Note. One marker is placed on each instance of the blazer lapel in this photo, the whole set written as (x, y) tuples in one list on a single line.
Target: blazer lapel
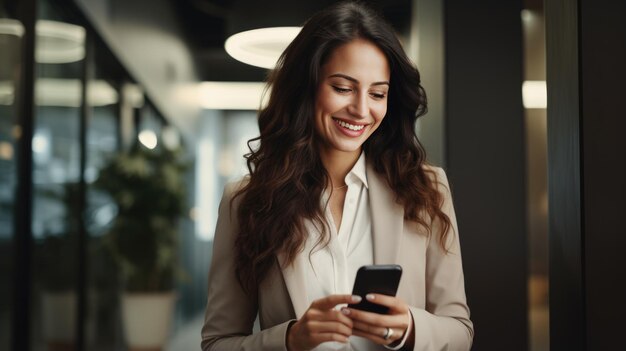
[(387, 228), (294, 277), (387, 218)]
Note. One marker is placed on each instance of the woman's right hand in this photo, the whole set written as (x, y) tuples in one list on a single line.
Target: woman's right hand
[(321, 323)]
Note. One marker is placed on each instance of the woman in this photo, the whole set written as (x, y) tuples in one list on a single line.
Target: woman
[(339, 180)]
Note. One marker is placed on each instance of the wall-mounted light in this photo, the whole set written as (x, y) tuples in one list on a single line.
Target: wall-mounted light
[(206, 184), (534, 94), (260, 47)]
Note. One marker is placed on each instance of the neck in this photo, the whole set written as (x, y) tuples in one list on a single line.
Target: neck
[(338, 164)]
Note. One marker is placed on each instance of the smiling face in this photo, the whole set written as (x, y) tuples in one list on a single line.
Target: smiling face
[(351, 99)]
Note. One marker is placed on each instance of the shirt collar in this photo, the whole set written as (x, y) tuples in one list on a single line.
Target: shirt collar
[(357, 174)]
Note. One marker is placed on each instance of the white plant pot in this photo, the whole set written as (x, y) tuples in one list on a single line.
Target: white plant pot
[(58, 315), (58, 318), (147, 318)]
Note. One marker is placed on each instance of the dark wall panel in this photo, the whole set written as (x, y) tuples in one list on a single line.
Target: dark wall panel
[(485, 158), (564, 177), (586, 51), (603, 73)]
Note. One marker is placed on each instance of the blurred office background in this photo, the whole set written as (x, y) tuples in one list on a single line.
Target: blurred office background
[(96, 92)]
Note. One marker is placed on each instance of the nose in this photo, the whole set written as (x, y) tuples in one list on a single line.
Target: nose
[(359, 106)]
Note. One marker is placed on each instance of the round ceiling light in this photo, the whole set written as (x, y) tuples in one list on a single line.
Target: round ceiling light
[(59, 42), (10, 26), (260, 47)]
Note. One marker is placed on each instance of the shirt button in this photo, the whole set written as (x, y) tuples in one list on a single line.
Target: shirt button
[(352, 200)]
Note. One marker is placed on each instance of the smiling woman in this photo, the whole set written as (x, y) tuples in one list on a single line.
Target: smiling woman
[(339, 180), (351, 98)]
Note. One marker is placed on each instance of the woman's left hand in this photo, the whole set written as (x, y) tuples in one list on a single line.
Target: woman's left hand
[(373, 326)]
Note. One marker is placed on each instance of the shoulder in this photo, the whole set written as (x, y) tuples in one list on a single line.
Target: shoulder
[(436, 174), (439, 178), (230, 199), (233, 187)]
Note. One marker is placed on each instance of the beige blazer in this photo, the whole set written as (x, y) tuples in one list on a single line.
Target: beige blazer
[(432, 281)]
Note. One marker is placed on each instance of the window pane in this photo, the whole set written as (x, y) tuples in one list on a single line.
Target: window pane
[(102, 276), (59, 54)]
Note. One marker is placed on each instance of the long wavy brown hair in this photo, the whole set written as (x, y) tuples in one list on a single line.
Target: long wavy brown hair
[(287, 177)]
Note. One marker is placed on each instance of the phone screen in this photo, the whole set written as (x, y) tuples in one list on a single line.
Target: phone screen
[(379, 279)]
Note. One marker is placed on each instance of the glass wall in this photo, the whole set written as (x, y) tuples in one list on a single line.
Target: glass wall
[(102, 143), (88, 111), (11, 32), (60, 60), (85, 102)]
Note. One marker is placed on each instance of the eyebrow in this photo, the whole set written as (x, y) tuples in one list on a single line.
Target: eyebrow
[(340, 75)]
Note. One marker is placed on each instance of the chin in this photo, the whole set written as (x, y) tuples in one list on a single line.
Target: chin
[(347, 147)]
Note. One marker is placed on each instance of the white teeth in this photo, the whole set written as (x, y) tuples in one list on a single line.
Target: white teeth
[(349, 126)]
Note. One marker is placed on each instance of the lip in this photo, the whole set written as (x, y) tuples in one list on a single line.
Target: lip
[(349, 121), (349, 132)]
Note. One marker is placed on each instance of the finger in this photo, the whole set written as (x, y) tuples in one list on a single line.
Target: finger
[(324, 337), (377, 331), (315, 327), (377, 319), (360, 318), (333, 315), (375, 338), (368, 328), (395, 304), (313, 314), (331, 301)]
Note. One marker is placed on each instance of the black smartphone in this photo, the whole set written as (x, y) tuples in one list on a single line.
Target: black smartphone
[(379, 279)]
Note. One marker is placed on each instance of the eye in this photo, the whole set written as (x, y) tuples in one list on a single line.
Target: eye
[(378, 96), (341, 90)]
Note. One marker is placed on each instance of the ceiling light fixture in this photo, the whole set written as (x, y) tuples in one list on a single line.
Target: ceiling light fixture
[(63, 92), (260, 47), (57, 42), (9, 26), (231, 95)]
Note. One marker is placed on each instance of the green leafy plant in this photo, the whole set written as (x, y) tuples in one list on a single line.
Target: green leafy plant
[(149, 191)]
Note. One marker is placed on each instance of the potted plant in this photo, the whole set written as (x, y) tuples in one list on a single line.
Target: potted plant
[(148, 188)]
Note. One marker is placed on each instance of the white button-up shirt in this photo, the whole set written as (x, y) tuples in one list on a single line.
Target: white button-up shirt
[(332, 269)]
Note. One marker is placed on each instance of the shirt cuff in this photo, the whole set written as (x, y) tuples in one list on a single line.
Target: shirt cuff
[(406, 336), (289, 325)]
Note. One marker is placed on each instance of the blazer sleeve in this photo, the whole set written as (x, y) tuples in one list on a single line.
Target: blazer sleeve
[(445, 322), (230, 312)]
